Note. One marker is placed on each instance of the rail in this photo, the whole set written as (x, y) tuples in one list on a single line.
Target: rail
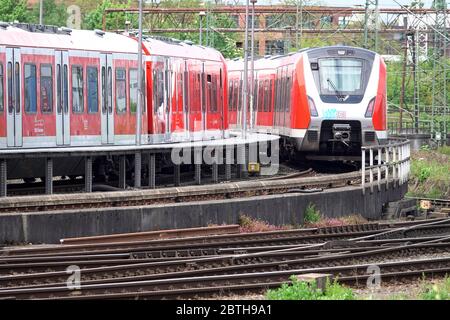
[(392, 159)]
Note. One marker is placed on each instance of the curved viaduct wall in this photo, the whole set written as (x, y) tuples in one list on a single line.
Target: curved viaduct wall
[(289, 208)]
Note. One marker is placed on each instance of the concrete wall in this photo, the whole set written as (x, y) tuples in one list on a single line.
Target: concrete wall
[(49, 227)]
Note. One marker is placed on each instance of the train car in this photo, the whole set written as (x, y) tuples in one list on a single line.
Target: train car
[(79, 88), (324, 102)]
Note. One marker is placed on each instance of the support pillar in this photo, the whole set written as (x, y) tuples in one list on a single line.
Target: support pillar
[(215, 172), (48, 176), (3, 178), (88, 174), (151, 171), (122, 172), (137, 169), (176, 175), (242, 161), (198, 166), (228, 161)]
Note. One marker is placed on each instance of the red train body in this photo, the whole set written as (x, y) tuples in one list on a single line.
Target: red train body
[(63, 87)]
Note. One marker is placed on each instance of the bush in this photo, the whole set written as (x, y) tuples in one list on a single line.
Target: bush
[(439, 291), (300, 290), (312, 215)]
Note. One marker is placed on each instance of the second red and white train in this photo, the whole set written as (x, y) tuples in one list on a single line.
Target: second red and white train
[(324, 102)]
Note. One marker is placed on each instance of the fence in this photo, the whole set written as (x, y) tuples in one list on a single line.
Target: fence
[(392, 160), (424, 127)]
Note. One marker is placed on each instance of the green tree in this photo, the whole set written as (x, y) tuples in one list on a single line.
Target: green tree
[(12, 10), (114, 21), (53, 13)]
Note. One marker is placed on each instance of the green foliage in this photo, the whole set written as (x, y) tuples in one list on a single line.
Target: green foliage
[(114, 21), (424, 173), (444, 150), (53, 13), (439, 291), (12, 10), (300, 290), (312, 215), (426, 78)]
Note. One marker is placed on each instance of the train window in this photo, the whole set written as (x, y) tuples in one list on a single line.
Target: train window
[(10, 89), (77, 89), (110, 91), (46, 88), (30, 88), (266, 95), (158, 92), (186, 91), (230, 95), (260, 96), (277, 94), (239, 106), (92, 89), (2, 96), (66, 89), (58, 89), (203, 84), (17, 82), (215, 96), (339, 75), (121, 92), (104, 90), (133, 90), (271, 95), (288, 93)]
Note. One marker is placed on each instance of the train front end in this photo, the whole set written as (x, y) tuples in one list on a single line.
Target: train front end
[(346, 93)]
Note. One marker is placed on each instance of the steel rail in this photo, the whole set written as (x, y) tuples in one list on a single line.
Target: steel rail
[(162, 288), (264, 262)]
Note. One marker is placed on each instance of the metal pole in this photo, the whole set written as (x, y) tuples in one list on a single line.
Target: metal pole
[(137, 156), (140, 80), (245, 80), (252, 72), (201, 14), (41, 9)]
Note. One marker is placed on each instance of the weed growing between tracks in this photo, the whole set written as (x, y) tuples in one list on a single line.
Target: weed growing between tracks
[(301, 290), (249, 224)]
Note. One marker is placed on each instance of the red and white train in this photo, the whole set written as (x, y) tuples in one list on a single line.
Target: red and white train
[(62, 87), (325, 102)]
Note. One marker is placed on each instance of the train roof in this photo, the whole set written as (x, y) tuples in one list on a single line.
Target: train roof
[(37, 36), (24, 35), (270, 62), (177, 48)]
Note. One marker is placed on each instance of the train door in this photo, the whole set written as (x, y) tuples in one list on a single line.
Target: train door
[(62, 98), (195, 101), (107, 117), (14, 89)]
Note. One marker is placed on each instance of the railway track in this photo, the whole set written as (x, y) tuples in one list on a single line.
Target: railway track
[(170, 195), (123, 270), (193, 286)]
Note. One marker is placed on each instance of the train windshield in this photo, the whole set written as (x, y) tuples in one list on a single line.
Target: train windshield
[(340, 76)]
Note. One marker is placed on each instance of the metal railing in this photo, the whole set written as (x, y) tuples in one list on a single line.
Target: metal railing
[(392, 160)]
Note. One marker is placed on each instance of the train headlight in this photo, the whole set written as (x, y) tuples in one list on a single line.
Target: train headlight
[(370, 107), (312, 107)]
